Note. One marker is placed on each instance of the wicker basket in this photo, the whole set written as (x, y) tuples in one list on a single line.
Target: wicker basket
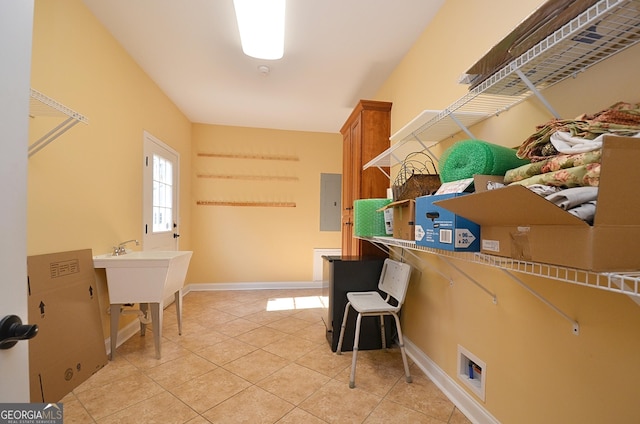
[(417, 185), (415, 178)]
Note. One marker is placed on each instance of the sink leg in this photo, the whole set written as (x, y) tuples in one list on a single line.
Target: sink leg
[(115, 319), (143, 327), (156, 323), (178, 301)]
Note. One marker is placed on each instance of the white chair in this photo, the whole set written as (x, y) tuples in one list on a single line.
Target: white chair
[(394, 280)]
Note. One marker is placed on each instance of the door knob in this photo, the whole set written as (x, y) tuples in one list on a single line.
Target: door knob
[(12, 330)]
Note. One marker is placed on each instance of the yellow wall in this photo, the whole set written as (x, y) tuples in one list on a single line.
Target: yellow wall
[(260, 244), (85, 188), (537, 371), (85, 191)]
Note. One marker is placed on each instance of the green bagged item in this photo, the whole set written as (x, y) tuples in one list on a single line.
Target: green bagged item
[(368, 221), (470, 157)]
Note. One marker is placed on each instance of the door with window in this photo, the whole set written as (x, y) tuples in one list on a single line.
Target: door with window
[(161, 171)]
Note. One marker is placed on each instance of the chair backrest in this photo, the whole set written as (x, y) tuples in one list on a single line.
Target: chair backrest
[(394, 279)]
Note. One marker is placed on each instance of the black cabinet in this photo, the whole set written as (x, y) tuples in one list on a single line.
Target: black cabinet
[(342, 274)]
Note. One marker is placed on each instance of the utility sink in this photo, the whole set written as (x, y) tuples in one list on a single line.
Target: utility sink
[(147, 278)]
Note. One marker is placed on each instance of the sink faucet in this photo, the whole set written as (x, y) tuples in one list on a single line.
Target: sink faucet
[(121, 249)]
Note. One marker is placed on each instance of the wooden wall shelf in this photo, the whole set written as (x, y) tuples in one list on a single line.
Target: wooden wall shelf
[(247, 177), (252, 204), (250, 156)]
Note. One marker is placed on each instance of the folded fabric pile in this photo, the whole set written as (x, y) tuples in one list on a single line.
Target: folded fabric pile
[(565, 157), (563, 170), (567, 153), (581, 134), (578, 201)]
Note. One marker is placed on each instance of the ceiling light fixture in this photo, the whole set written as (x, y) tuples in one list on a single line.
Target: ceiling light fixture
[(261, 25)]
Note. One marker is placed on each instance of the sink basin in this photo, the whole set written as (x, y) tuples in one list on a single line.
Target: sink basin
[(146, 278)]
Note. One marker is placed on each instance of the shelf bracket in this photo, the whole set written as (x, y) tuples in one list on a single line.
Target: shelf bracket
[(396, 158), (384, 172), (43, 141), (462, 126), (470, 278), (537, 93), (428, 265), (41, 105), (574, 324), (425, 147), (620, 281), (380, 246)]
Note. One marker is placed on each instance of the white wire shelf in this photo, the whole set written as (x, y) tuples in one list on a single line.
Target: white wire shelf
[(42, 105), (606, 28), (404, 142), (619, 282)]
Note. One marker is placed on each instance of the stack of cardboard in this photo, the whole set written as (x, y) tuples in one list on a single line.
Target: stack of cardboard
[(63, 302)]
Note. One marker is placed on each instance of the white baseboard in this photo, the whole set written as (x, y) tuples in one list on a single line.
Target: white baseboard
[(466, 403), (124, 334)]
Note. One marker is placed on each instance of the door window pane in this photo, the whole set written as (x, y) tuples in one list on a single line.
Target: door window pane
[(162, 194)]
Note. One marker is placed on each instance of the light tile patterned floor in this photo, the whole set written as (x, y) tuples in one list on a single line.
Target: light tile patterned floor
[(253, 357)]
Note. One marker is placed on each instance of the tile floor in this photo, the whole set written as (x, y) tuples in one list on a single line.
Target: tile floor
[(253, 357)]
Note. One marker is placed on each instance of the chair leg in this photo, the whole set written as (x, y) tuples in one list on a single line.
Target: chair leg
[(356, 341), (342, 327), (404, 355), (382, 332)]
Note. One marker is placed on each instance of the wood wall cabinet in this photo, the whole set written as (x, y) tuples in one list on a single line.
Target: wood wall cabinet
[(366, 135)]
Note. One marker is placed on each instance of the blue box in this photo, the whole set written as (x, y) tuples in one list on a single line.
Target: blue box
[(442, 229)]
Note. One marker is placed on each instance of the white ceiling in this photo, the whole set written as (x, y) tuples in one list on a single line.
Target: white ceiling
[(336, 52)]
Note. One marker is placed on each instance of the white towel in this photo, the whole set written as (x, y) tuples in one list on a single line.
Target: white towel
[(571, 197), (585, 211), (564, 142), (543, 190)]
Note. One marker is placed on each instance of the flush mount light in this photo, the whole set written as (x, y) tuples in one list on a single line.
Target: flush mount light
[(261, 25)]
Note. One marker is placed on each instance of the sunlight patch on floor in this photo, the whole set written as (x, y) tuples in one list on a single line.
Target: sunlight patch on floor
[(291, 303)]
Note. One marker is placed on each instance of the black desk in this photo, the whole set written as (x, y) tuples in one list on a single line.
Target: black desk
[(342, 274)]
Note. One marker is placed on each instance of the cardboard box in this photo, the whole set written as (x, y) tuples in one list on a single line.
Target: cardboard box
[(404, 212), (520, 224), (547, 18), (486, 182), (442, 229), (63, 302)]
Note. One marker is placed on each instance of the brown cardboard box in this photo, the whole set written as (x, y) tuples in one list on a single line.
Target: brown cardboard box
[(481, 182), (549, 17), (63, 302), (517, 223), (404, 212)]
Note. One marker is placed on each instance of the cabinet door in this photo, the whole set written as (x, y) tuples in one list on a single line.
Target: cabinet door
[(356, 159), (347, 194), (347, 235), (347, 174), (351, 165)]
